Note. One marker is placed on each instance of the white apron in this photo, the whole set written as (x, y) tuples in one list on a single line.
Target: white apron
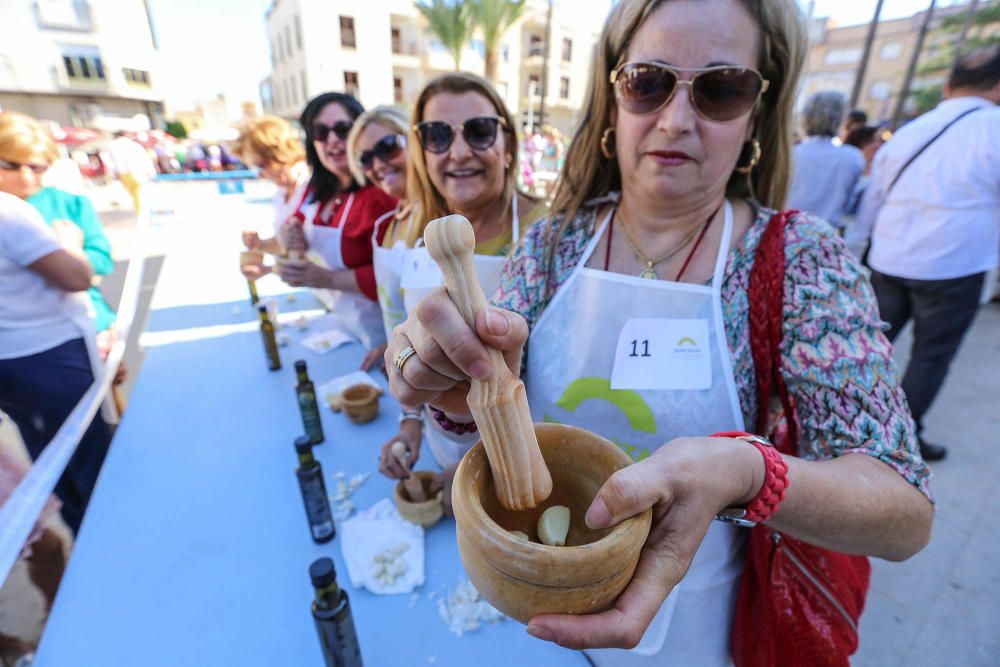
[(388, 271), (642, 362), (357, 313), (420, 277)]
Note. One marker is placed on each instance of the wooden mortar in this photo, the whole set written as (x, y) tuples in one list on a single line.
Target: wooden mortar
[(360, 403), (426, 512), (499, 404), (523, 579)]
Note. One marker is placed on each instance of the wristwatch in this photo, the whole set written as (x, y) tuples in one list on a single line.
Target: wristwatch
[(411, 413), (772, 491)]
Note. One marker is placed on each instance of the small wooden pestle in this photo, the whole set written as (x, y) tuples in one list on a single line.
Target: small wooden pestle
[(414, 487), (499, 404)]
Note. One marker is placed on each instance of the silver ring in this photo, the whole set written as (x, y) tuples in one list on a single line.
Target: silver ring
[(403, 356)]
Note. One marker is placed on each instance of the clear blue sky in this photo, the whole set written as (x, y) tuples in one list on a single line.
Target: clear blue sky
[(220, 46)]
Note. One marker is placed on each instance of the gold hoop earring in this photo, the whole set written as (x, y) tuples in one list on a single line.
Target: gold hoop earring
[(605, 151), (754, 158)]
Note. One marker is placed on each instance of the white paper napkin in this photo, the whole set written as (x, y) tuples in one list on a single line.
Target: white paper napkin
[(324, 341), (381, 531), (337, 385)]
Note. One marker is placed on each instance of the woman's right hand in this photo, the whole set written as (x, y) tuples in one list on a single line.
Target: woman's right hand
[(254, 271), (448, 353), (410, 432), (252, 240)]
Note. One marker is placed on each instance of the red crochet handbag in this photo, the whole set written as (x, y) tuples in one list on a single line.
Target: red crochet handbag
[(798, 604)]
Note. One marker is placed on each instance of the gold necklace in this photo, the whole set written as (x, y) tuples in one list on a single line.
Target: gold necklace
[(649, 273)]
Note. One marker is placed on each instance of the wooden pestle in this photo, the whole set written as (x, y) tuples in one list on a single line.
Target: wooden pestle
[(414, 488), (499, 404)]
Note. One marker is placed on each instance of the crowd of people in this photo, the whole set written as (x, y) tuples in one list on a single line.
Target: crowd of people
[(683, 207)]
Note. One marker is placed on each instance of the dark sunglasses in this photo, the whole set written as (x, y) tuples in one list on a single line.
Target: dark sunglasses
[(437, 136), (341, 128), (720, 93), (384, 149), (7, 165)]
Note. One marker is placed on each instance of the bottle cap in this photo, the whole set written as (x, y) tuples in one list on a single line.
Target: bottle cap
[(262, 308), (300, 365), (322, 572), (303, 444)]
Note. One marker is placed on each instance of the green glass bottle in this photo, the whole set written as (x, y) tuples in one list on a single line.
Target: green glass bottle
[(310, 474), (331, 611), (254, 299), (270, 343), (305, 392)]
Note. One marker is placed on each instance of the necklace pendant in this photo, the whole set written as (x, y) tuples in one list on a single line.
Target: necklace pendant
[(649, 273)]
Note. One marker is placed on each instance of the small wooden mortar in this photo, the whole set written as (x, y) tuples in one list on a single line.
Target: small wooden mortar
[(499, 404), (426, 512), (523, 579), (360, 403)]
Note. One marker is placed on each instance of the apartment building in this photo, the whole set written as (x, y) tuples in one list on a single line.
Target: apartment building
[(835, 56), (78, 62), (383, 52)]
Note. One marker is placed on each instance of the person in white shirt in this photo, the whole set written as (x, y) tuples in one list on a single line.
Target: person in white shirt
[(45, 367), (132, 165), (932, 210), (825, 174)]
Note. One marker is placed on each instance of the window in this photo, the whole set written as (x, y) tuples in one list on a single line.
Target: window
[(890, 51), (274, 54), (298, 33), (397, 89), (535, 47), (842, 56), (567, 50), (505, 53), (351, 83), (533, 85), (880, 90), (279, 99), (288, 41), (83, 64), (136, 77), (397, 41), (564, 88), (302, 82), (347, 33), (64, 14), (281, 48)]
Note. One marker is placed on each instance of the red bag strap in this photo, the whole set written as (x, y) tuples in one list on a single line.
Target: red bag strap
[(766, 295)]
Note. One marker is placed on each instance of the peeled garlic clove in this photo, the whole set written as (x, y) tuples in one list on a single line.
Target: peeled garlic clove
[(553, 526)]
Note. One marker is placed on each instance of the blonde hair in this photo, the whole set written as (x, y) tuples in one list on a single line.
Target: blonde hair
[(391, 117), (272, 140), (22, 138), (588, 174), (428, 203)]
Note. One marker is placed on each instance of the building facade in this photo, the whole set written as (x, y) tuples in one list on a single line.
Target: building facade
[(78, 62), (383, 52), (835, 55)]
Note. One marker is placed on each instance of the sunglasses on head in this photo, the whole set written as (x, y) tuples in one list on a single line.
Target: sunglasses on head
[(720, 93), (384, 149), (437, 136), (341, 128), (8, 165)]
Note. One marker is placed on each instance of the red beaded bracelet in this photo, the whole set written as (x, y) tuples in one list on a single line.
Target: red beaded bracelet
[(458, 428), (772, 491)]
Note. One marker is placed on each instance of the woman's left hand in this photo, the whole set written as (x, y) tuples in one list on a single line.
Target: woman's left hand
[(303, 273), (686, 482), (374, 359)]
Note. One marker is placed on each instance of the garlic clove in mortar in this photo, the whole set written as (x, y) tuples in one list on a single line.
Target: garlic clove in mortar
[(553, 526)]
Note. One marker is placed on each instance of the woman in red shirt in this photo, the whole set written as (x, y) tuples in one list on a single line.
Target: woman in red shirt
[(337, 221)]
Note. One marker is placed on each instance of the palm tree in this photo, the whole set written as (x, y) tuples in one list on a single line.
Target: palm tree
[(451, 22), (494, 18)]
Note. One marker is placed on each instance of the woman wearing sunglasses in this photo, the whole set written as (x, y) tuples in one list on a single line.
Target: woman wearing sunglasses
[(462, 159), (644, 311), (336, 221), (271, 146)]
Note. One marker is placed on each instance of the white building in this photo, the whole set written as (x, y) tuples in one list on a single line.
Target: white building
[(78, 62), (383, 52)]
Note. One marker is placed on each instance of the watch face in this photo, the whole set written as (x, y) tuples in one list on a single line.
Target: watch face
[(735, 516)]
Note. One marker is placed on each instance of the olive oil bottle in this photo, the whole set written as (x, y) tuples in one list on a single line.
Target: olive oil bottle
[(310, 475), (331, 611), (254, 299), (305, 392), (270, 343)]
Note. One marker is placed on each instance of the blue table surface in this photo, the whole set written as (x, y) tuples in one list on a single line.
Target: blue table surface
[(195, 548)]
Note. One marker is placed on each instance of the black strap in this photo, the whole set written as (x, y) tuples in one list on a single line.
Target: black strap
[(925, 146)]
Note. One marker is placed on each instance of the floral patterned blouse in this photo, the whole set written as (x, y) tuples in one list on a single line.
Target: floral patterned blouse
[(836, 360)]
